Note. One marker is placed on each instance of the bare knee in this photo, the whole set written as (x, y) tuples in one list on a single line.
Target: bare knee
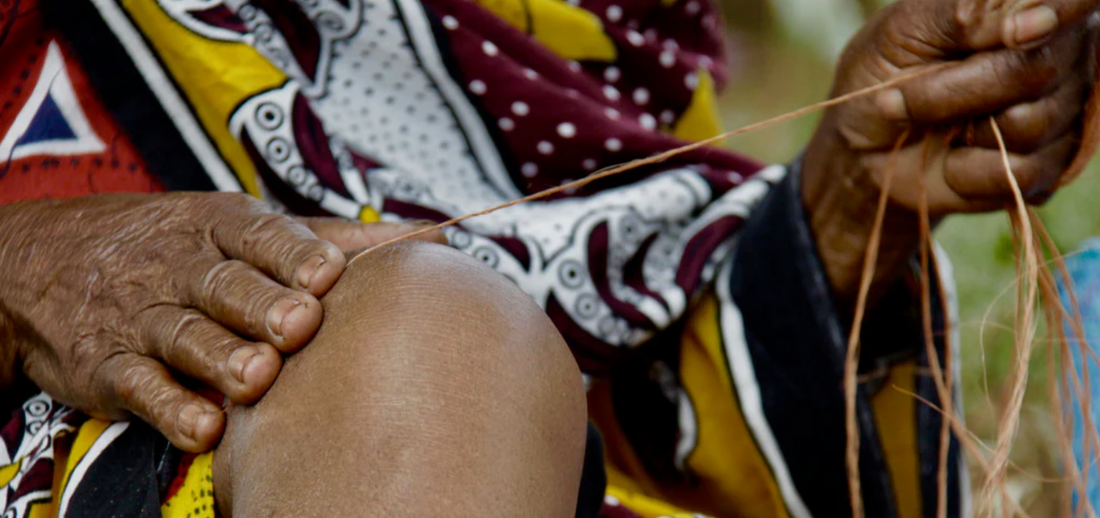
[(434, 322), (428, 368), (427, 303)]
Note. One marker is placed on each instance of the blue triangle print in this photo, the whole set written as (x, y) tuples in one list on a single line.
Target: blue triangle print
[(48, 124), (52, 121)]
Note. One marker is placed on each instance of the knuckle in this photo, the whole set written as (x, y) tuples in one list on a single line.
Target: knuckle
[(131, 385), (202, 351), (99, 383), (1036, 70), (1027, 126), (183, 334), (218, 278), (963, 14), (161, 406), (234, 199), (216, 357), (265, 224)]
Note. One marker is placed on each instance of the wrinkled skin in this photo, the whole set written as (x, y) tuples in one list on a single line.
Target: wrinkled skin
[(104, 296), (1028, 63)]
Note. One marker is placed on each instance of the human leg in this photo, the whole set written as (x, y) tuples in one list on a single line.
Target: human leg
[(434, 387)]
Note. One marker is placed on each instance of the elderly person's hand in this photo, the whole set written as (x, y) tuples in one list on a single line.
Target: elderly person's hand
[(1028, 63), (110, 302)]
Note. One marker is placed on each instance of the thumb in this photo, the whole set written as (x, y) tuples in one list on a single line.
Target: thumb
[(352, 235), (1019, 24), (930, 28)]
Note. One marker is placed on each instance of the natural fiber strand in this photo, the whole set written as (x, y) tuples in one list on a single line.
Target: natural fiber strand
[(966, 438), (1025, 327), (941, 378), (851, 359), (1057, 319), (661, 157), (996, 466)]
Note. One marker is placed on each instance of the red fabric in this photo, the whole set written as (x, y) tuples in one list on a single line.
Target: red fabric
[(25, 37), (616, 511)]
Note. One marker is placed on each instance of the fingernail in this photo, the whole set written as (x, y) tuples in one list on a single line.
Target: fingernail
[(239, 361), (309, 269), (278, 313), (1033, 24), (206, 421), (187, 419), (892, 104), (422, 223)]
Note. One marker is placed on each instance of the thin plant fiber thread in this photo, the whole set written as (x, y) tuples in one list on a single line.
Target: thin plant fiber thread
[(851, 358), (1025, 331), (610, 171), (1010, 422)]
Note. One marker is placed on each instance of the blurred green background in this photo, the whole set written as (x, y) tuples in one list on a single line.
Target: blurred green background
[(782, 57)]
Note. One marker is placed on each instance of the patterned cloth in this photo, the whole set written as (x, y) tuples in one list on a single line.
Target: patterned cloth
[(707, 337)]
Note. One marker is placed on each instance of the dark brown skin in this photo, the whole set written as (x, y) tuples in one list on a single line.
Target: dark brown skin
[(433, 388), (1031, 69), (99, 296)]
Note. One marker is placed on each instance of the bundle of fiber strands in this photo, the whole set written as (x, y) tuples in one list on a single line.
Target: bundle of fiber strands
[(1084, 271)]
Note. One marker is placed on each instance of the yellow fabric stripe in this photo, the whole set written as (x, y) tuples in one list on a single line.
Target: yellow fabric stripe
[(511, 11), (644, 506), (195, 498), (567, 30), (61, 471), (87, 435), (41, 510), (700, 120), (731, 476), (734, 477), (617, 479), (215, 76), (8, 472), (895, 416)]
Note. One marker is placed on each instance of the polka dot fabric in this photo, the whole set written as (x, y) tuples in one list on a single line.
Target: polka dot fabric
[(558, 122), (431, 109)]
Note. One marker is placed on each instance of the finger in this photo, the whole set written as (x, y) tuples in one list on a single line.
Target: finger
[(983, 83), (198, 347), (1027, 23), (352, 235), (979, 173), (279, 246), (1041, 198), (240, 297), (1029, 126), (983, 24), (144, 387)]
